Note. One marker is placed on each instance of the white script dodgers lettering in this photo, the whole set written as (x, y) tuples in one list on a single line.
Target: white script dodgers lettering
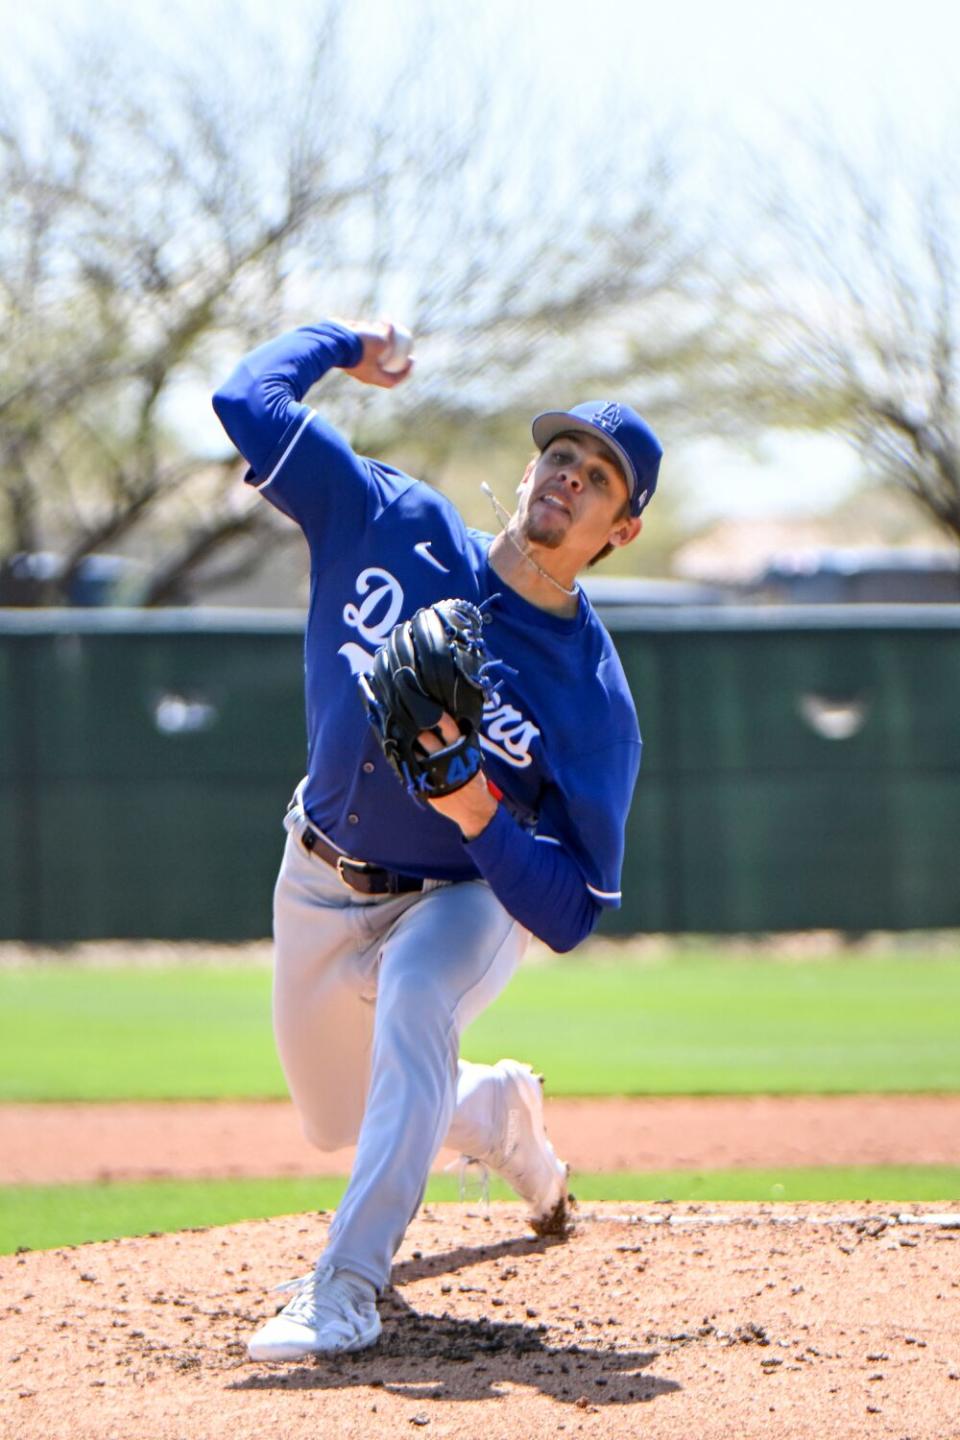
[(374, 618), (506, 733)]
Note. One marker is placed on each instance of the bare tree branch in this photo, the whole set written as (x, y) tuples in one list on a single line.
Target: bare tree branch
[(156, 219), (855, 325)]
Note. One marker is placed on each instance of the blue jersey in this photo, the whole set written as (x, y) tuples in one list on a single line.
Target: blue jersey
[(559, 733)]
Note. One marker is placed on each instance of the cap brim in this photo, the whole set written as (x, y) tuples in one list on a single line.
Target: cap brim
[(551, 423)]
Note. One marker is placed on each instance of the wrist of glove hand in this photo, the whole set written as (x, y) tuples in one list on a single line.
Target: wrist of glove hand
[(471, 806)]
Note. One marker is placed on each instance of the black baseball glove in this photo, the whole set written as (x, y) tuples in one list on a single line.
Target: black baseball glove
[(432, 663)]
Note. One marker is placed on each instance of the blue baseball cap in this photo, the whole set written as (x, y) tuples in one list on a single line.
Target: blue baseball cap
[(622, 430)]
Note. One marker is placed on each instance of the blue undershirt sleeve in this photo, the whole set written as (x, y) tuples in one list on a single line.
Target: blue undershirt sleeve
[(538, 884), (260, 401)]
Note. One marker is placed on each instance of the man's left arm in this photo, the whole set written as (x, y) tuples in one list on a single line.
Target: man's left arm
[(537, 883), (534, 877)]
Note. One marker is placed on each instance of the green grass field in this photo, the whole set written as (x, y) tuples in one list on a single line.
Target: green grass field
[(697, 1024), (609, 1021), (41, 1217)]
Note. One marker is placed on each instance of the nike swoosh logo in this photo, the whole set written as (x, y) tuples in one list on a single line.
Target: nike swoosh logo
[(422, 548)]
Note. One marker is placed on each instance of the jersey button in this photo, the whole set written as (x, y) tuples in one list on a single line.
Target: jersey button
[(353, 819), (368, 767)]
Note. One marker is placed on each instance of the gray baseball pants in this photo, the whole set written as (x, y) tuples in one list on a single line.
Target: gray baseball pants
[(370, 999)]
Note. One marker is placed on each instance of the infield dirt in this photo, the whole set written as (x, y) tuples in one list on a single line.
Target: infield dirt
[(62, 1144), (819, 1322)]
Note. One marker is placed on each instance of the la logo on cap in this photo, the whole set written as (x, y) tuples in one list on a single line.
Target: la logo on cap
[(609, 418)]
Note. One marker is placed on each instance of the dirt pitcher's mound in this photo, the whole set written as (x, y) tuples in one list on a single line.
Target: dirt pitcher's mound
[(731, 1322)]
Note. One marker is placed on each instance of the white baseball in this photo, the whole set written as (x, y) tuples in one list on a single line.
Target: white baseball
[(395, 357)]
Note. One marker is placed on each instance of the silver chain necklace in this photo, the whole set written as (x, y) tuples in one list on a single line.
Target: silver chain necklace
[(504, 516)]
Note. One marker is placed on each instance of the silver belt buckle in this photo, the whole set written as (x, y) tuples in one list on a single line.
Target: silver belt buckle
[(346, 862)]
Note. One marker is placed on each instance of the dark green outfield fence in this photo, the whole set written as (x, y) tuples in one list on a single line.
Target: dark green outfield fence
[(801, 769)]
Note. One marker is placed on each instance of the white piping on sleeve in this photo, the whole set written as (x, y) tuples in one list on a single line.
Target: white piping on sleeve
[(300, 429), (605, 894), (600, 894)]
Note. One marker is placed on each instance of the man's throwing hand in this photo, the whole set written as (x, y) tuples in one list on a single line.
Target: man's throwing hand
[(381, 340)]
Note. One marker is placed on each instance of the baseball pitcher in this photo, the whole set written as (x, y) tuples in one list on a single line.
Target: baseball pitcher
[(472, 752)]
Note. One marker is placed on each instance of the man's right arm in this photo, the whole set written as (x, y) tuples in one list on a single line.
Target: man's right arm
[(298, 462), (260, 402)]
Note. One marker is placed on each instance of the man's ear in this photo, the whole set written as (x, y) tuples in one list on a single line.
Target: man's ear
[(626, 531)]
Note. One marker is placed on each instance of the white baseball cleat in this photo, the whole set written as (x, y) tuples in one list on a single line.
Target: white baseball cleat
[(333, 1312), (527, 1161)]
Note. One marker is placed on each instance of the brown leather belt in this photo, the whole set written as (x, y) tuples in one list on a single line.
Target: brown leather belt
[(357, 874)]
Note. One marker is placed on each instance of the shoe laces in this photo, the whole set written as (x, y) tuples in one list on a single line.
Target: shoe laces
[(321, 1295), (287, 1287)]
